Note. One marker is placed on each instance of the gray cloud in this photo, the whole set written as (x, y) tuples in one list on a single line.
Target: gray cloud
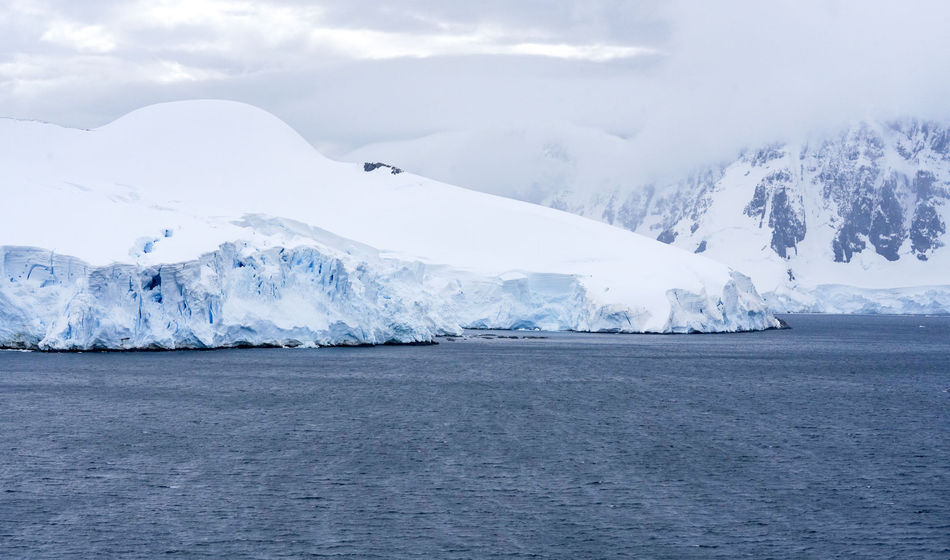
[(685, 82)]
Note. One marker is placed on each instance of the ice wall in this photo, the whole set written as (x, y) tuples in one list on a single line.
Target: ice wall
[(310, 296)]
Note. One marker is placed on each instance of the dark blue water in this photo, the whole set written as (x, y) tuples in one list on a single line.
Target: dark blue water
[(831, 440)]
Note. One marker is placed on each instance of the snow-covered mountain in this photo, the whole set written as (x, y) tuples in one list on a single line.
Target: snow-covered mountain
[(848, 222), (210, 223)]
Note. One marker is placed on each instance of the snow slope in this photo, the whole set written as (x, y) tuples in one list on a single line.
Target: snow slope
[(213, 223), (849, 222), (526, 163)]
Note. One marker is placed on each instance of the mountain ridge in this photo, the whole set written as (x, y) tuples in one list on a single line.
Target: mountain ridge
[(865, 206)]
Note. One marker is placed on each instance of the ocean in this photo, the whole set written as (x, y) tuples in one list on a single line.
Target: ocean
[(828, 440)]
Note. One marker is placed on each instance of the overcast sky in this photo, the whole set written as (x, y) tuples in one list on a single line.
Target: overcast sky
[(687, 80)]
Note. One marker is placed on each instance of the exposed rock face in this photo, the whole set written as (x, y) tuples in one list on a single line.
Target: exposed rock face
[(927, 226), (871, 197), (871, 200), (785, 213), (887, 232), (367, 167), (864, 206), (926, 230)]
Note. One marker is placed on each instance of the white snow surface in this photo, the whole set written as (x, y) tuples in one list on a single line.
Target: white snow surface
[(213, 223), (587, 172)]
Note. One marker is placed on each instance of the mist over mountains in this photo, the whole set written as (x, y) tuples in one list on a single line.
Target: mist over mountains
[(863, 206)]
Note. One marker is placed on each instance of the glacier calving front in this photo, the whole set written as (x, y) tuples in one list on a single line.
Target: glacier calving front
[(212, 224)]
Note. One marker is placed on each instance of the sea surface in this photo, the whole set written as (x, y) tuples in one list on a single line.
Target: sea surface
[(829, 440)]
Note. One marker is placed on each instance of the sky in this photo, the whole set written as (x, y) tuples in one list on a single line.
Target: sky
[(684, 82)]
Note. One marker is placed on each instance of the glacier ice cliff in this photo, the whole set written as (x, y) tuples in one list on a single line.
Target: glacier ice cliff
[(229, 297), (835, 298), (306, 296), (210, 224)]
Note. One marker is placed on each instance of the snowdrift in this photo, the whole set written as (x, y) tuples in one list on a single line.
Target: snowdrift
[(213, 224)]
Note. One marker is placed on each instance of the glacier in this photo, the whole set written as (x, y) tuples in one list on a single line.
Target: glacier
[(849, 220), (208, 224), (842, 299)]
